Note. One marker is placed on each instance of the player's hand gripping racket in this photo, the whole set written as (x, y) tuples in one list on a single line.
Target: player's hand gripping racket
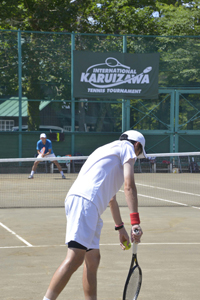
[(134, 278)]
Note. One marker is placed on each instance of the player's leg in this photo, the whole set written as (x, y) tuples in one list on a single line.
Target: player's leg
[(92, 259), (59, 168), (57, 165), (36, 163), (33, 169), (91, 264), (72, 262)]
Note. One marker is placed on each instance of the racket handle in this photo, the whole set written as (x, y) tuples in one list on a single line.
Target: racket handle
[(134, 248)]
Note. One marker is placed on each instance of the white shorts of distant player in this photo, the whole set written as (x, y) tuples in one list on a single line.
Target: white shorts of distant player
[(49, 155), (84, 223)]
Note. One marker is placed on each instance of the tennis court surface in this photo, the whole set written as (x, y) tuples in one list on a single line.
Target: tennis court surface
[(32, 231)]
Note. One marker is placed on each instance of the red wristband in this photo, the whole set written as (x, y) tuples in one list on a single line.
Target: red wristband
[(135, 219)]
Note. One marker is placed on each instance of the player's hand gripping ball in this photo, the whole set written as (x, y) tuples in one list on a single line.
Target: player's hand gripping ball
[(127, 247)]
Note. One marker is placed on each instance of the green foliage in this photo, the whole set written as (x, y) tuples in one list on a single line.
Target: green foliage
[(122, 17), (102, 16), (178, 19), (38, 15)]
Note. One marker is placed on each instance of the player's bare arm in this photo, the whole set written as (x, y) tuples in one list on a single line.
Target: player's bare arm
[(119, 225), (114, 207), (130, 191), (49, 152)]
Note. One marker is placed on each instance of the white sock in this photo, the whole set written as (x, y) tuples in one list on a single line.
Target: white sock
[(61, 172), (32, 172), (45, 298)]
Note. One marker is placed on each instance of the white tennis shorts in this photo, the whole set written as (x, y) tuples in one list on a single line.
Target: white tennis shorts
[(83, 222), (49, 155)]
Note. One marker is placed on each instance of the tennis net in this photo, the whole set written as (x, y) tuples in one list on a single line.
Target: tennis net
[(161, 180)]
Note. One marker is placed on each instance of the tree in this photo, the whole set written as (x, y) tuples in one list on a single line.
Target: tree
[(123, 17), (178, 18), (39, 65)]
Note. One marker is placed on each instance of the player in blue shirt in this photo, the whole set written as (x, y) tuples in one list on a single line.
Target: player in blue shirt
[(44, 149)]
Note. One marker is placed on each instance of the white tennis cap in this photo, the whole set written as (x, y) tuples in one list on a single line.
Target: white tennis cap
[(43, 135), (133, 135)]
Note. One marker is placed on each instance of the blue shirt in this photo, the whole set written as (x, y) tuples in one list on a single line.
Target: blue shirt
[(47, 146)]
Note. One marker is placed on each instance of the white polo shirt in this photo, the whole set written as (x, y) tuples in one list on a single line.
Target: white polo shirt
[(102, 176)]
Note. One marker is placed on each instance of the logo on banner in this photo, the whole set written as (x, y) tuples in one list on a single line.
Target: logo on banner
[(112, 74), (115, 75)]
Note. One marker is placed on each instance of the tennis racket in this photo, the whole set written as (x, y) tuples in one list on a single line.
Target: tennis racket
[(42, 151), (134, 278)]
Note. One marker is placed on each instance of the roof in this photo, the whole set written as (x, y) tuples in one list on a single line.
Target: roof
[(10, 108)]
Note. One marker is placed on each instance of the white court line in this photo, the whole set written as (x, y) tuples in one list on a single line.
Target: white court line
[(19, 237), (165, 200), (175, 191), (54, 246)]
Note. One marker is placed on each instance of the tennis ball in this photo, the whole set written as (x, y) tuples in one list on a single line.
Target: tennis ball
[(127, 247)]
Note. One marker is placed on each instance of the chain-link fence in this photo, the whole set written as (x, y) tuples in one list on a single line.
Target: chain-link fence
[(36, 94)]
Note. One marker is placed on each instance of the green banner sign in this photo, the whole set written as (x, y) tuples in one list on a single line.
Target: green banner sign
[(115, 75)]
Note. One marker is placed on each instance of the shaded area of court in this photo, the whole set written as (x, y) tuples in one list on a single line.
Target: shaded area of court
[(32, 240)]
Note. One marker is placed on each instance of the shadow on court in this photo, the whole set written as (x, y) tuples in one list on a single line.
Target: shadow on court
[(168, 255)]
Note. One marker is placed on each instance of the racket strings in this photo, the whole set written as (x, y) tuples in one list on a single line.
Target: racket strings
[(134, 284)]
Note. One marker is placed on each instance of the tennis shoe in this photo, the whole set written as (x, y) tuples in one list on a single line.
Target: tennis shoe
[(63, 177), (30, 177)]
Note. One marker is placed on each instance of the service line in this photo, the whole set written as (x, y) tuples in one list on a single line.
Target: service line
[(165, 200)]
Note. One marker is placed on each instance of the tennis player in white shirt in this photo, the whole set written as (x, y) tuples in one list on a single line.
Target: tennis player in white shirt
[(100, 178)]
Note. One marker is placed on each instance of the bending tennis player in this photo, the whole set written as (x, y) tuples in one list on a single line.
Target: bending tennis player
[(44, 149), (99, 180)]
